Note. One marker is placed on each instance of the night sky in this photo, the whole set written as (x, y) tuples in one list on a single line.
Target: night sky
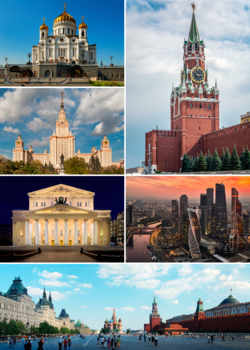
[(109, 192)]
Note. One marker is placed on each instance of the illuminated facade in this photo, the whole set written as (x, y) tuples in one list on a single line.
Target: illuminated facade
[(236, 238), (71, 220)]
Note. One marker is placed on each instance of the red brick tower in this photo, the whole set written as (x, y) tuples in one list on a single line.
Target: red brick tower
[(194, 110), (154, 318), (194, 105)]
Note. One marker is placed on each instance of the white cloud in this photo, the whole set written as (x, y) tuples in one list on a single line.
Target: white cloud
[(34, 270), (109, 308), (101, 106), (68, 292), (50, 275), (84, 307), (38, 124), (208, 301), (191, 308), (76, 289), (145, 307), (72, 276), (127, 308), (38, 143), (10, 129), (185, 270), (85, 285), (38, 292), (173, 302), (53, 283)]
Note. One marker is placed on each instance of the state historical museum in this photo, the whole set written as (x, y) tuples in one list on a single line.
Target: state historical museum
[(194, 111)]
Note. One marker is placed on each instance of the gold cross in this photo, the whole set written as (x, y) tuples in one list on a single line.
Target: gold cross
[(193, 6), (82, 18), (64, 6), (44, 20)]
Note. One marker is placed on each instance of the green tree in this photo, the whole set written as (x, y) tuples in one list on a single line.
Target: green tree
[(3, 328), (216, 162), (246, 160), (242, 155), (34, 330), (195, 168), (209, 160), (235, 160), (12, 328), (94, 165), (222, 155), (185, 161), (128, 331), (75, 165), (226, 161), (190, 165), (104, 331), (202, 164), (21, 326)]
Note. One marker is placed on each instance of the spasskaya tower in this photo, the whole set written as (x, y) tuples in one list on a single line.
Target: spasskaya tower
[(194, 110)]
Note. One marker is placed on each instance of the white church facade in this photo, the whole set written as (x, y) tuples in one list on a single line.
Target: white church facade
[(61, 215), (62, 142)]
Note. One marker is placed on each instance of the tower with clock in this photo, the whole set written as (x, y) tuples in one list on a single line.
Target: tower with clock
[(194, 110)]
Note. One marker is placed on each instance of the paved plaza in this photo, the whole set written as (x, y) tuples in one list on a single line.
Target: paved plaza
[(130, 343)]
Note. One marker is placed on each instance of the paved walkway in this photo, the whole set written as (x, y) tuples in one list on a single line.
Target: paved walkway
[(131, 343)]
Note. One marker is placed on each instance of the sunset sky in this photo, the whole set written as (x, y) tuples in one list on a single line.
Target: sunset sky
[(174, 186)]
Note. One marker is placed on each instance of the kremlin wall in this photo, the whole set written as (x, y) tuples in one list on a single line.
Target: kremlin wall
[(229, 316)]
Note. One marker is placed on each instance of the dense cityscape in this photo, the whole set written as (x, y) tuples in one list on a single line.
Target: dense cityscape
[(206, 229)]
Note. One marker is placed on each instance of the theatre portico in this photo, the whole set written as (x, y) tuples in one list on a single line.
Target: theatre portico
[(61, 216)]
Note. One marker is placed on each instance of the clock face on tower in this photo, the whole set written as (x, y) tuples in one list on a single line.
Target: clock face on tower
[(197, 75)]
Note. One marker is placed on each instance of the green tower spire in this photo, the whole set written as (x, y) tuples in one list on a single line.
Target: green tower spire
[(193, 32)]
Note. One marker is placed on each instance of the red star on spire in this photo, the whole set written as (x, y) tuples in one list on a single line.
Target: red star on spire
[(193, 6)]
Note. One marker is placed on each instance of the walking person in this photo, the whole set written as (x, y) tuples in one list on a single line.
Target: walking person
[(29, 345), (149, 337), (60, 342), (14, 342), (65, 344), (118, 341), (139, 338), (156, 340), (145, 337), (69, 343), (212, 339), (102, 341), (223, 337), (40, 344), (208, 339), (112, 343), (152, 340), (115, 342)]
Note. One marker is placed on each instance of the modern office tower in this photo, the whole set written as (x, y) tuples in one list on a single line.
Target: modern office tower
[(185, 226), (183, 208), (175, 216), (246, 224), (129, 214), (236, 238), (204, 214), (210, 201), (212, 225), (194, 232), (221, 212)]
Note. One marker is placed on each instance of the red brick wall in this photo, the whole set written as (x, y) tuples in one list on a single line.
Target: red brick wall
[(220, 323), (237, 134)]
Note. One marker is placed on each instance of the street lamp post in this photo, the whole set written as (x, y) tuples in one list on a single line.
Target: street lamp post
[(29, 55), (111, 57)]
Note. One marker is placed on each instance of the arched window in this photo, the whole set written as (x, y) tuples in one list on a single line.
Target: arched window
[(190, 47), (200, 116), (78, 204), (61, 233), (196, 47), (191, 105), (200, 106), (86, 204), (82, 33), (209, 107), (42, 204), (70, 232), (42, 34), (36, 204)]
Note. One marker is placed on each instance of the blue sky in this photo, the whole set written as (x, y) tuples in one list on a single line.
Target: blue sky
[(90, 292), (32, 113), (155, 34), (19, 26)]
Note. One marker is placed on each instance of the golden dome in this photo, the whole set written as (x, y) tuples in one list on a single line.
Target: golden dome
[(83, 25), (64, 17), (44, 26)]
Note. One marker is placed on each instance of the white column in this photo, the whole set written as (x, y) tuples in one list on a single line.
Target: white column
[(40, 236), (75, 229), (56, 232), (27, 232), (30, 232), (92, 233), (46, 231), (95, 231), (85, 232), (36, 231), (66, 242)]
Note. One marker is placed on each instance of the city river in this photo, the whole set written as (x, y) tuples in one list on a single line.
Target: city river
[(137, 244)]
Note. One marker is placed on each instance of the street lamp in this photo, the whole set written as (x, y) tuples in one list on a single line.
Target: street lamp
[(29, 55), (6, 59), (111, 57)]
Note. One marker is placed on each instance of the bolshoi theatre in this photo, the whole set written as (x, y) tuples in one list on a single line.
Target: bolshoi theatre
[(61, 215)]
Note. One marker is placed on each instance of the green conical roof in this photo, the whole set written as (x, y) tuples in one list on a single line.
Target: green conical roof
[(193, 32), (155, 300), (78, 323), (17, 287)]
